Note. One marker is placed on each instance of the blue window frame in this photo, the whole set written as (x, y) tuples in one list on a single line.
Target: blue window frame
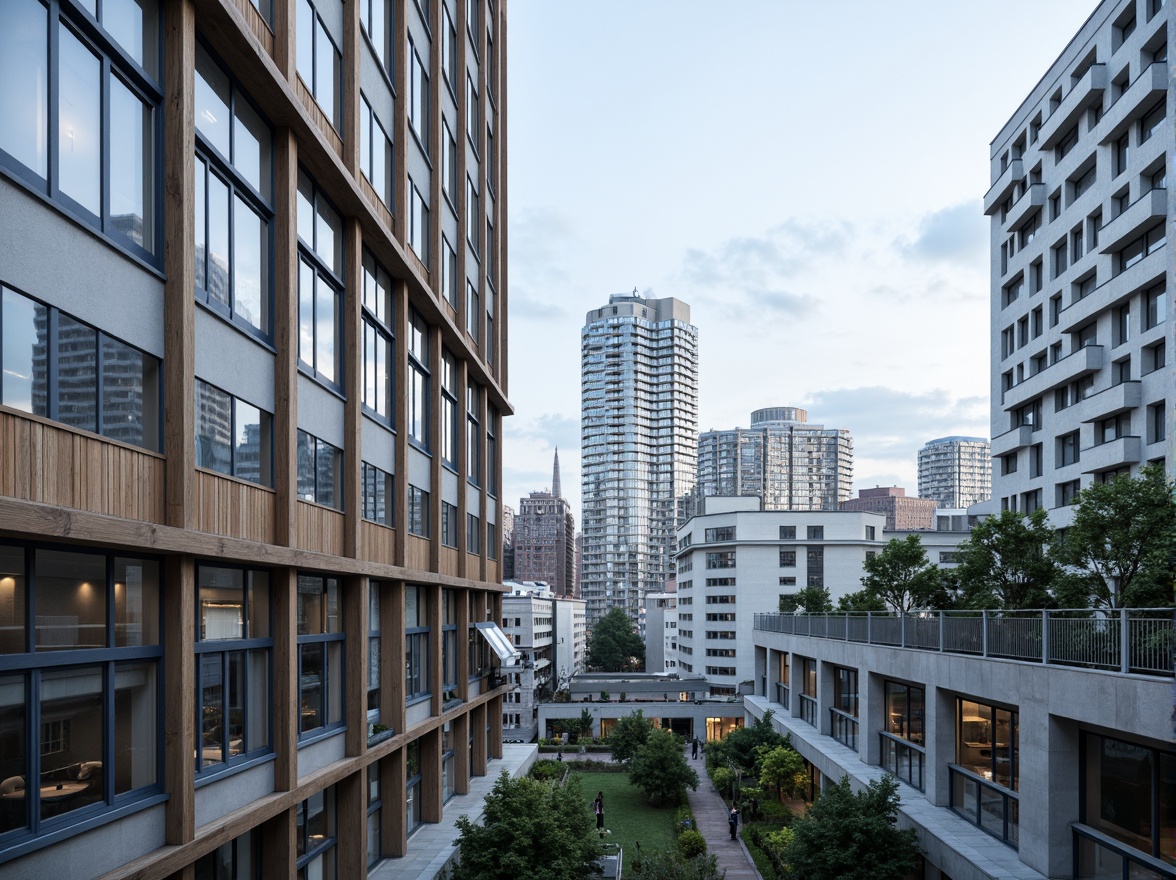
[(449, 644), (81, 690), (234, 660), (412, 786), (80, 97), (416, 642), (315, 835), (320, 655), (379, 345), (320, 285)]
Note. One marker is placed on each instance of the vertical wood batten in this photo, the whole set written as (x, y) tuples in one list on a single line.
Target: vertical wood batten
[(285, 338)]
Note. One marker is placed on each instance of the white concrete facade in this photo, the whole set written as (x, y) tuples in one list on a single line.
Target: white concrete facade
[(528, 621), (661, 632), (1082, 276), (571, 639)]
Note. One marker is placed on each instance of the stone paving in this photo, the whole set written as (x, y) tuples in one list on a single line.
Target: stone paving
[(710, 812)]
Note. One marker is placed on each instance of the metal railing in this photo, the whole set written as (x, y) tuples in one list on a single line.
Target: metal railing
[(988, 806), (1098, 855), (904, 759), (808, 709), (1136, 640), (844, 728)]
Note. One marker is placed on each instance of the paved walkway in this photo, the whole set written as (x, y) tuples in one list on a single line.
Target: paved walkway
[(710, 812)]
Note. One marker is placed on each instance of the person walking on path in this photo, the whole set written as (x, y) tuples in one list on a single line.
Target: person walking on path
[(598, 806), (733, 821), (694, 749)]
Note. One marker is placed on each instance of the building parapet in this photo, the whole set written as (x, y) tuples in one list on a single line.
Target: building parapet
[(1129, 640)]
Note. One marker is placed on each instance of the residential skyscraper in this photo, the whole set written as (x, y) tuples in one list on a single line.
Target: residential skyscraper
[(789, 463), (639, 434), (544, 540), (956, 471), (1081, 276), (258, 637)]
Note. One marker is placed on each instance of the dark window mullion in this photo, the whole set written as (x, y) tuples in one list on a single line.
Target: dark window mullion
[(54, 101), (104, 219), (108, 710), (51, 316), (33, 748)]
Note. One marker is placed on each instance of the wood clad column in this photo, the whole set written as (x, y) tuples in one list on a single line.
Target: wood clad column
[(431, 794), (435, 445), (355, 625), (179, 683), (285, 611), (285, 39), (478, 725), (278, 845), (286, 338), (351, 63), (353, 386), (461, 753), (400, 135), (179, 262), (400, 452)]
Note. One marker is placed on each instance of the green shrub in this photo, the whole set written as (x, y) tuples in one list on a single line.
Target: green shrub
[(692, 844), (546, 769), (724, 780)]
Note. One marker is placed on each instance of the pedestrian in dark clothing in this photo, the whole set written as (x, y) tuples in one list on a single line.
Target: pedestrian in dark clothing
[(598, 806), (694, 749), (733, 822), (559, 756)]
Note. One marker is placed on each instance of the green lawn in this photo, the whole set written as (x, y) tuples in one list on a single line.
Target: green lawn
[(628, 814)]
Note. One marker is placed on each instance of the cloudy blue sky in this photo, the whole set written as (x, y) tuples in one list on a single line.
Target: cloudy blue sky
[(806, 175)]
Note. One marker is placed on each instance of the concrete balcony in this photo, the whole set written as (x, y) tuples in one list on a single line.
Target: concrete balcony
[(1011, 441), (1000, 190), (1114, 291), (1031, 200), (1141, 214), (1149, 87), (1109, 456), (1087, 91), (1117, 399), (1073, 366)]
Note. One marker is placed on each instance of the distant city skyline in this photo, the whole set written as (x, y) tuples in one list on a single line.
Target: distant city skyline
[(843, 268)]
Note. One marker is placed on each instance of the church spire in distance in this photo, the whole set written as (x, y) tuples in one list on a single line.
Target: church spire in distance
[(555, 490)]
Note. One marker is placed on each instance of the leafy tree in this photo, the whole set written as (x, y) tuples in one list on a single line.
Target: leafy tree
[(853, 836), (529, 829), (584, 724), (1120, 542), (902, 576), (614, 646), (628, 735), (659, 768), (1005, 563), (724, 780), (810, 600), (862, 600), (783, 768), (740, 745)]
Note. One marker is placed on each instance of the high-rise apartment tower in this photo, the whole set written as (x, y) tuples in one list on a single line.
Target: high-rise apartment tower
[(258, 637), (956, 471), (789, 463), (1082, 277), (639, 430)]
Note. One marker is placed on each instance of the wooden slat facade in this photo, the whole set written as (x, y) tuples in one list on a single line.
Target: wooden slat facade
[(257, 25), (324, 126), (320, 529), (227, 506), (416, 552), (378, 543)]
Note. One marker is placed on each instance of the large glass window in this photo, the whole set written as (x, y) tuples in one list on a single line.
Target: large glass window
[(418, 96), (376, 18), (492, 421), (375, 152), (473, 533), (418, 222), (448, 524), (315, 836), (320, 471), (239, 859), (902, 732), (473, 434), (95, 687), (412, 786), (374, 805), (984, 776), (1130, 795), (449, 643), (320, 654), (234, 649), (373, 663), (448, 408), (418, 380), (377, 488), (448, 163), (378, 342), (232, 436), (52, 100), (473, 217), (320, 284), (449, 279), (233, 207), (416, 642), (319, 63), (57, 367), (448, 48), (418, 511)]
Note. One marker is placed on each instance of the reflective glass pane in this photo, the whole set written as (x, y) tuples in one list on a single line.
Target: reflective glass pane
[(136, 724), (305, 466), (365, 137), (24, 83), (77, 373), (310, 605), (129, 394), (136, 602), (250, 290), (217, 282), (311, 686), (79, 139), (221, 596), (335, 686), (328, 472), (236, 703), (133, 24), (257, 728), (212, 709), (214, 428), (326, 74), (247, 441), (13, 772), (72, 740), (198, 208), (305, 47), (25, 346), (71, 600), (306, 281), (252, 147), (328, 236), (325, 330), (259, 615), (131, 139)]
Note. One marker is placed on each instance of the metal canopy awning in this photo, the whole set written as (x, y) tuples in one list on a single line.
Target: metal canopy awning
[(498, 642)]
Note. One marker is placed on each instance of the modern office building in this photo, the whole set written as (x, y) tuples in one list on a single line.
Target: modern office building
[(1081, 274), (902, 513), (789, 463), (571, 639), (544, 539), (661, 632), (528, 621), (252, 299), (639, 435), (1012, 762), (735, 560), (956, 471)]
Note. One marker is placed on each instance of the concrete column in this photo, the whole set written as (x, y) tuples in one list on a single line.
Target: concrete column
[(940, 738)]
